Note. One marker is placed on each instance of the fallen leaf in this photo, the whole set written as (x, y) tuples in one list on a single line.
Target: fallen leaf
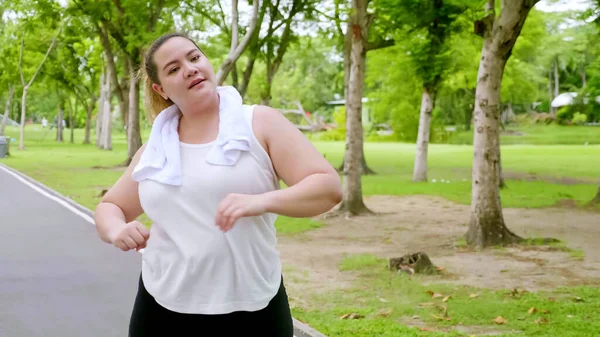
[(351, 316), (446, 298), (474, 295), (383, 300), (441, 318), (541, 320), (384, 313), (434, 294), (552, 299), (427, 304), (444, 310), (578, 299), (426, 329), (500, 320), (544, 311), (415, 317), (531, 311), (440, 268)]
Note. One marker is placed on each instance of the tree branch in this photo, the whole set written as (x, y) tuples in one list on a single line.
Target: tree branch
[(46, 56), (21, 59), (234, 25), (380, 44), (155, 15), (222, 12), (233, 56)]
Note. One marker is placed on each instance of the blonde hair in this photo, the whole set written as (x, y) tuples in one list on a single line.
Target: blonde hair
[(153, 102)]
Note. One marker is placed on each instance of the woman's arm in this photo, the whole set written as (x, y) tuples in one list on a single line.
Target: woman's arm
[(116, 213), (313, 184)]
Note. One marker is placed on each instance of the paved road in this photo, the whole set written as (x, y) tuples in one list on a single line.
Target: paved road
[(57, 278)]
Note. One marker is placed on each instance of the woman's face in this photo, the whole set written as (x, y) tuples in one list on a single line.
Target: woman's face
[(184, 72)]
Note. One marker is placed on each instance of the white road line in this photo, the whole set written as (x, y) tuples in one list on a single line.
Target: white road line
[(50, 196)]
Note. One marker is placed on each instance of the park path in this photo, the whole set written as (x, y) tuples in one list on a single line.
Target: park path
[(57, 278)]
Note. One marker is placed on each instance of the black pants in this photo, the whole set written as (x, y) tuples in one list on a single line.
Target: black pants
[(151, 319)]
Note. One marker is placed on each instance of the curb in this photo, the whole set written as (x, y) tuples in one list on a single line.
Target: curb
[(300, 329)]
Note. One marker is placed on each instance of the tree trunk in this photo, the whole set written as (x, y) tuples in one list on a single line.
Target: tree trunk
[(583, 77), (59, 119), (71, 123), (6, 110), (487, 227), (550, 93), (106, 108), (364, 168), (596, 200), (134, 139), (23, 112), (353, 203), (120, 88), (427, 102), (88, 118), (556, 84), (556, 78), (100, 112)]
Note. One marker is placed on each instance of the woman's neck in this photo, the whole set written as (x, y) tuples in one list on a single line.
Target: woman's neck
[(200, 123)]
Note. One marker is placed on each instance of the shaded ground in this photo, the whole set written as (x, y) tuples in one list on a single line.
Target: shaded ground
[(434, 225)]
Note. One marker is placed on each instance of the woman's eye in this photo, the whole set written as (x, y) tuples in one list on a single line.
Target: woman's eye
[(173, 70), (195, 58)]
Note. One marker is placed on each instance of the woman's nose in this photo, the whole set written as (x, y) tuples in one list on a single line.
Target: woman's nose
[(191, 71)]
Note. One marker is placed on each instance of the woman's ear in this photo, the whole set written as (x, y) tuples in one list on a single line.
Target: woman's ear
[(159, 89)]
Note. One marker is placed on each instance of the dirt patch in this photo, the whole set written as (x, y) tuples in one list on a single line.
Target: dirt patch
[(433, 225)]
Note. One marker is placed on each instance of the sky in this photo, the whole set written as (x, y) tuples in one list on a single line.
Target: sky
[(562, 5)]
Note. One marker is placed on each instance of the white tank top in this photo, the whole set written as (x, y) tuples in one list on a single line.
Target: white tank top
[(189, 264)]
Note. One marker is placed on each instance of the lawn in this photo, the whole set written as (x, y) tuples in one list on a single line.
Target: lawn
[(538, 176), (539, 135), (73, 170)]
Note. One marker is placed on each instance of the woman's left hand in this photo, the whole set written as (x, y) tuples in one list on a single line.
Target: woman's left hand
[(235, 206)]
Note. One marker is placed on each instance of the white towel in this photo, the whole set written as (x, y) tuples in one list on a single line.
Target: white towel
[(161, 161)]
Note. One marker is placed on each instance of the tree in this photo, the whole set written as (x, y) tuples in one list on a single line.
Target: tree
[(276, 46), (499, 33), (426, 36), (358, 27), (130, 25), (27, 85), (345, 44)]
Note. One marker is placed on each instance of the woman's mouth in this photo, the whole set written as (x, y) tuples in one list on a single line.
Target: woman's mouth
[(196, 82)]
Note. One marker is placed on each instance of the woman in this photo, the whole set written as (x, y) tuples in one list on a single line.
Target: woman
[(210, 258)]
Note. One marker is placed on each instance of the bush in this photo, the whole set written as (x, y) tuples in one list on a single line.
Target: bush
[(579, 118), (564, 115)]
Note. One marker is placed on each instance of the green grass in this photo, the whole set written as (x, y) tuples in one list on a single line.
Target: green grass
[(540, 135), (68, 168), (359, 261), (570, 311), (554, 244)]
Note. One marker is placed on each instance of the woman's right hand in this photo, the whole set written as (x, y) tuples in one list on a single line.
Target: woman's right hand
[(133, 235)]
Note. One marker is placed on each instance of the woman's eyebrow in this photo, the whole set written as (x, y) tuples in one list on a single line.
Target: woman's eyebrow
[(175, 61)]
